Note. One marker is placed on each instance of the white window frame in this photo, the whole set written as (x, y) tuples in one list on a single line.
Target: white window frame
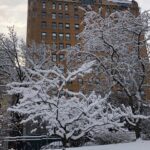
[(61, 36), (43, 5), (68, 37), (66, 7), (76, 26), (60, 6), (54, 6), (43, 35), (54, 57), (54, 36), (67, 25)]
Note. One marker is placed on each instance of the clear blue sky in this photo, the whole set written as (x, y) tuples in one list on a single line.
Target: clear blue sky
[(14, 12)]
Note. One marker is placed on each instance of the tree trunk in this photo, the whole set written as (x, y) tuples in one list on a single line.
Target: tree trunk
[(137, 130), (64, 141)]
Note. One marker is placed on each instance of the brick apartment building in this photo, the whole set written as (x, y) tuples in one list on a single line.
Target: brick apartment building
[(58, 22)]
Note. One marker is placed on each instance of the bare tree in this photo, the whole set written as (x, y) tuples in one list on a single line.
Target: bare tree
[(13, 53), (10, 48)]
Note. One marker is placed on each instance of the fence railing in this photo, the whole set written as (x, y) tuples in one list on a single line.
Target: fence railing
[(26, 142)]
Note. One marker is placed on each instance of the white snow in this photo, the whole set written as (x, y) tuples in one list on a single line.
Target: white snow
[(138, 145)]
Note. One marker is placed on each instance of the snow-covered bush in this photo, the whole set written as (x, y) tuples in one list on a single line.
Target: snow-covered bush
[(114, 136), (145, 127)]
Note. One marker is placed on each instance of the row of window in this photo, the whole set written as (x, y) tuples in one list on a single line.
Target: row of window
[(89, 81), (59, 57), (59, 25), (59, 15), (58, 6), (59, 36), (61, 46), (54, 6), (81, 81)]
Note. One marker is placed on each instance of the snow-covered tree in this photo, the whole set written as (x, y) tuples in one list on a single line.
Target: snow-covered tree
[(10, 63), (45, 96), (10, 57), (119, 44), (115, 46), (13, 53)]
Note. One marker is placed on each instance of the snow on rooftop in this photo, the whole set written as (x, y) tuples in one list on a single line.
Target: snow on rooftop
[(120, 1)]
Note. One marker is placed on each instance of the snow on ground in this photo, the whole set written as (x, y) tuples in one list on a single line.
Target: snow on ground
[(138, 145)]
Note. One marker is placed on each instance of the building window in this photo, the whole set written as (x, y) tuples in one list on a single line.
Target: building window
[(53, 15), (67, 17), (60, 26), (61, 57), (60, 15), (43, 5), (67, 36), (75, 8), (54, 36), (43, 35), (61, 46), (61, 36), (43, 24), (68, 45), (60, 6), (54, 25), (33, 14), (54, 46), (67, 26), (76, 26), (54, 57), (76, 36), (53, 6), (66, 7), (76, 17), (43, 14), (62, 69)]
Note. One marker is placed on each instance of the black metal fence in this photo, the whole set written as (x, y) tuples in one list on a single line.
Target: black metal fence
[(26, 142)]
